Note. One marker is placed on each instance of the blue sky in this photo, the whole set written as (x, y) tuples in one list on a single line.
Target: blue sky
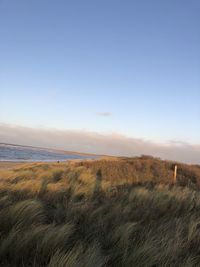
[(63, 64)]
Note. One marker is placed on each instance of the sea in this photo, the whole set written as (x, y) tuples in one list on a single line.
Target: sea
[(9, 152)]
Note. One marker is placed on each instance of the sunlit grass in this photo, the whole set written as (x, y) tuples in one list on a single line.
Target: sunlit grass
[(72, 214)]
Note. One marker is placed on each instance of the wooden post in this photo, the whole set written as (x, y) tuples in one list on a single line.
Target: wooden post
[(175, 174)]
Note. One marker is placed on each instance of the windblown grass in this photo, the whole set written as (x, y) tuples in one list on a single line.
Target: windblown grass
[(79, 215)]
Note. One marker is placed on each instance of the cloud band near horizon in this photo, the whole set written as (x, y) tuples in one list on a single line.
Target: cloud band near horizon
[(104, 144)]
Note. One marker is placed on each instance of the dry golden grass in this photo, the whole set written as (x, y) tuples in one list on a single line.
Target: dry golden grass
[(108, 212), (9, 165)]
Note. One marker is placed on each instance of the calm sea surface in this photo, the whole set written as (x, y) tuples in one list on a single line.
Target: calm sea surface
[(21, 153)]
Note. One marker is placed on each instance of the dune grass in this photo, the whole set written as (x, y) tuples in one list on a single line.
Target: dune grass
[(78, 215)]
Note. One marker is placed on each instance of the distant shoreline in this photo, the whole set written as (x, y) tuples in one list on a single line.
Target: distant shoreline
[(53, 149), (10, 164), (19, 153)]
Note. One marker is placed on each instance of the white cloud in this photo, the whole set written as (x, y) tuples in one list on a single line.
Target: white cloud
[(112, 144)]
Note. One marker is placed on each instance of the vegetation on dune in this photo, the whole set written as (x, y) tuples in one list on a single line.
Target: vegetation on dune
[(112, 212)]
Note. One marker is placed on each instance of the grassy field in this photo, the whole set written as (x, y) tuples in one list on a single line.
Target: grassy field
[(9, 164), (108, 212)]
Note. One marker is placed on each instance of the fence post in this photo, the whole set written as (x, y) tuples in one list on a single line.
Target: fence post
[(175, 174)]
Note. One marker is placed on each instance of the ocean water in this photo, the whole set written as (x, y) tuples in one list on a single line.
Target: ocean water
[(23, 153)]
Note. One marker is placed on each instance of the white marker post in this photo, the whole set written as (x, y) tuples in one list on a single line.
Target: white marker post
[(175, 174)]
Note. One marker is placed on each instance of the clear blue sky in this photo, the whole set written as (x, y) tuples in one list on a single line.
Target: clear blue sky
[(63, 62)]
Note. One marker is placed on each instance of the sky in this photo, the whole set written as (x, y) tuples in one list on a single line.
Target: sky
[(129, 69)]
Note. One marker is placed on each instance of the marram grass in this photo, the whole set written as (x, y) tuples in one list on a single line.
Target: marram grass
[(60, 215)]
